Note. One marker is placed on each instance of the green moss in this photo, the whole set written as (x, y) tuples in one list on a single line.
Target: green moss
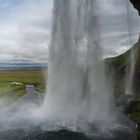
[(135, 116)]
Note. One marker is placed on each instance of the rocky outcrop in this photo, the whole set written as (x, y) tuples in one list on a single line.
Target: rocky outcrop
[(136, 4)]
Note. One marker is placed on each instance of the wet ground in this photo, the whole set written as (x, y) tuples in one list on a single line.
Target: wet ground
[(59, 135), (36, 133), (32, 96)]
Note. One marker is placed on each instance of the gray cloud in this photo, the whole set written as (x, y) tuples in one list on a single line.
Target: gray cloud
[(25, 34), (120, 26), (28, 35)]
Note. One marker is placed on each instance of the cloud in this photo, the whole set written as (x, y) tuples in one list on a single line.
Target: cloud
[(26, 33), (25, 28), (120, 26)]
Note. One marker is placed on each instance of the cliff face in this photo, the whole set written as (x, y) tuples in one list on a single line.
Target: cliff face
[(118, 66), (136, 4)]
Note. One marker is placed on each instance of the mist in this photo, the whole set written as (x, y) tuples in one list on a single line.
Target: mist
[(74, 41)]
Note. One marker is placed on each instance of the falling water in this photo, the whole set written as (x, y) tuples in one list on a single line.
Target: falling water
[(133, 55), (78, 90), (79, 94), (130, 72)]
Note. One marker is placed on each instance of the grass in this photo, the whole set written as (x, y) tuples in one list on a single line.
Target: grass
[(27, 76), (10, 91)]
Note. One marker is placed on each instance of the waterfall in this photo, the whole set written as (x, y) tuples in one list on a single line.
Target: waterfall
[(78, 90), (133, 54), (79, 93), (130, 72)]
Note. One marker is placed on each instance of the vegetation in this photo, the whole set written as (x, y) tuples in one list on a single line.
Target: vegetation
[(12, 83), (118, 66)]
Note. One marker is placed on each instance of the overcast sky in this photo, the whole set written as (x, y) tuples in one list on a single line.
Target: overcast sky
[(120, 26), (25, 27)]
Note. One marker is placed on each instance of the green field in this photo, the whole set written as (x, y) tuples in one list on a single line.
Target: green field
[(9, 91)]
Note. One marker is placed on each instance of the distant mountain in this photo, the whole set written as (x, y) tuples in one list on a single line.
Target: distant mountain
[(20, 66)]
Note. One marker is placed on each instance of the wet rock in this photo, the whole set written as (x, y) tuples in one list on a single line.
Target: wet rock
[(60, 135), (136, 4)]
